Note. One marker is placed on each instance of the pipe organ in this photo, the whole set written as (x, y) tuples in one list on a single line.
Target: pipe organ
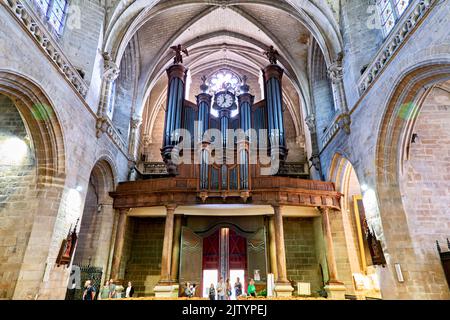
[(227, 131)]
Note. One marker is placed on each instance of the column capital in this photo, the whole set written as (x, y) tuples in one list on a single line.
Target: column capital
[(315, 161), (111, 70), (124, 211), (311, 122), (276, 207), (135, 121), (171, 207), (344, 122), (336, 70), (327, 210)]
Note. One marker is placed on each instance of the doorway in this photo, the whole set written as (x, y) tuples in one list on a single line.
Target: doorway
[(224, 255)]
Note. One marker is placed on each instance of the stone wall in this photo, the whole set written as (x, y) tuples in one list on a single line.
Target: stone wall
[(362, 36), (425, 185), (17, 177), (146, 252), (82, 32), (57, 204), (301, 260), (428, 46)]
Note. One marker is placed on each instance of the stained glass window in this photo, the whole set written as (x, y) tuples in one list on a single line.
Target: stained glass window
[(55, 12), (224, 79), (390, 11)]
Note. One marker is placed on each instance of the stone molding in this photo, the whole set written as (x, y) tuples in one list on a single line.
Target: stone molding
[(341, 122), (394, 42), (45, 40), (105, 125)]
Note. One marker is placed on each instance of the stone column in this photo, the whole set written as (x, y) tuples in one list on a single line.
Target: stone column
[(176, 249), (165, 287), (283, 287), (119, 242), (315, 157), (334, 288), (272, 248), (336, 75), (135, 122), (111, 72)]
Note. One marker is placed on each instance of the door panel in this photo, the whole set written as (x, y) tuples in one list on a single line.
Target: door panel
[(256, 254), (191, 255)]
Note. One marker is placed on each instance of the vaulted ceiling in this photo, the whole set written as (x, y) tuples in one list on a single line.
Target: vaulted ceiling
[(234, 35), (223, 33)]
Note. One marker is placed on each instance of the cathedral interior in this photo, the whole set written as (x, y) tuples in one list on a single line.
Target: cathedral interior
[(300, 144)]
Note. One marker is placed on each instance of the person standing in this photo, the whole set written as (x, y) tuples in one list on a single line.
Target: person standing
[(187, 290), (212, 292), (112, 289), (104, 291), (221, 289), (238, 288), (89, 291), (130, 291), (228, 290), (193, 288), (251, 288)]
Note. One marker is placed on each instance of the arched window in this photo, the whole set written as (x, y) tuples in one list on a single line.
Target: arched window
[(54, 11), (224, 79), (390, 11)]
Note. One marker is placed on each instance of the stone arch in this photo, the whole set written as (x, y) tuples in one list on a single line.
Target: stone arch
[(97, 222), (42, 121), (316, 18), (41, 187), (400, 236), (366, 276)]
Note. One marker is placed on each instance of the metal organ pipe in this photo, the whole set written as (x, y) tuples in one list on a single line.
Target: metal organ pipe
[(273, 76), (174, 111), (204, 107), (245, 105)]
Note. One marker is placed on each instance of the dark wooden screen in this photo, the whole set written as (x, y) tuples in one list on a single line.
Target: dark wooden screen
[(190, 257)]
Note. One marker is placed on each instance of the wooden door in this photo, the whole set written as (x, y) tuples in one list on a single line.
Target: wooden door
[(191, 255)]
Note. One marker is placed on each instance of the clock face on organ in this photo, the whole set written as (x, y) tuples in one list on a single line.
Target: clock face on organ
[(224, 100)]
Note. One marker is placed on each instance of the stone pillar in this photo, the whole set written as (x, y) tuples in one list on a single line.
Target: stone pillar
[(334, 287), (315, 157), (176, 249), (272, 248), (135, 122), (165, 287), (120, 240), (110, 73), (283, 287), (336, 75)]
